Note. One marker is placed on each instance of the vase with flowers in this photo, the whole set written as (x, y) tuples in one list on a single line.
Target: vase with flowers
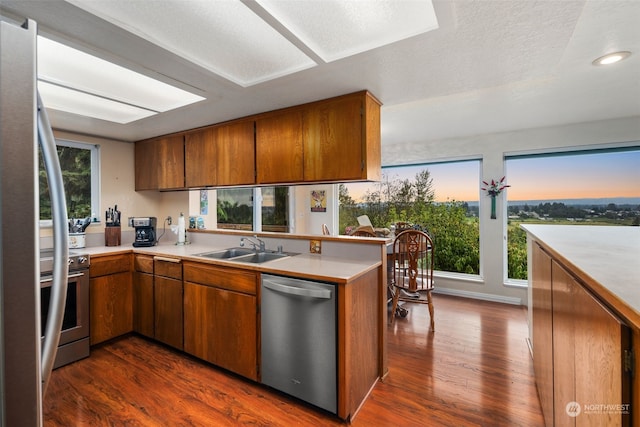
[(493, 189)]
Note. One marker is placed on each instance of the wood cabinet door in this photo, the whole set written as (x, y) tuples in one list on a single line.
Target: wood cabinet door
[(168, 322), (146, 161), (564, 289), (600, 341), (333, 140), (542, 320), (111, 310), (235, 332), (589, 343), (143, 304), (279, 151), (199, 321), (170, 167), (220, 327), (200, 159), (235, 145)]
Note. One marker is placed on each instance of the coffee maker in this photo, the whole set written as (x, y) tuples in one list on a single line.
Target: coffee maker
[(145, 228)]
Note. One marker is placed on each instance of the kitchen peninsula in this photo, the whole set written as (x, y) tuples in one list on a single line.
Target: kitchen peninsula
[(585, 320), (355, 266)]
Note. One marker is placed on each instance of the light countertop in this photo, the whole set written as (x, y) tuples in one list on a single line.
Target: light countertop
[(605, 258), (311, 266)]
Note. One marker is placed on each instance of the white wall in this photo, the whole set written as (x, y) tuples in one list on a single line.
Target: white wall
[(307, 222), (491, 149)]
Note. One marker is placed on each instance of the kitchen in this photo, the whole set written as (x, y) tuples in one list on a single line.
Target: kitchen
[(583, 128)]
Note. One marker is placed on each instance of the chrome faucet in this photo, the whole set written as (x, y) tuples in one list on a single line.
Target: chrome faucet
[(256, 244)]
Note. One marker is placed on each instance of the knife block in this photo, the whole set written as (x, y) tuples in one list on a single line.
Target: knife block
[(112, 236)]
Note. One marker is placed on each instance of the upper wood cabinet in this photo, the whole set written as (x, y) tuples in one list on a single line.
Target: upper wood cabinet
[(333, 140), (236, 156), (279, 148), (342, 139), (200, 158), (160, 163), (221, 155)]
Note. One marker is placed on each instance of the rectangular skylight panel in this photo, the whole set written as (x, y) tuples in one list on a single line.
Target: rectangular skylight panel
[(335, 29), (71, 101), (223, 36), (72, 68)]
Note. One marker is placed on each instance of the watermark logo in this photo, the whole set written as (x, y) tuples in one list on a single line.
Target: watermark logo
[(573, 409)]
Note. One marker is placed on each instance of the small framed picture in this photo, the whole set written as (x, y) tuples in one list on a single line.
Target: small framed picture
[(318, 201)]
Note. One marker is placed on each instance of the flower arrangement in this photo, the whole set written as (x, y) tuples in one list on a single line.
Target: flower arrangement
[(495, 187)]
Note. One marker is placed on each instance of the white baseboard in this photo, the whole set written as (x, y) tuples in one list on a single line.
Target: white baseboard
[(479, 295)]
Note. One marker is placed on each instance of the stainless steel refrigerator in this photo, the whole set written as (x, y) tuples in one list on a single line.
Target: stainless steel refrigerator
[(25, 363)]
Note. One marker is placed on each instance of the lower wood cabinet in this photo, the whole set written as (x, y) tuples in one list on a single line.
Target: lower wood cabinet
[(157, 299), (220, 317), (110, 295), (168, 311), (579, 347)]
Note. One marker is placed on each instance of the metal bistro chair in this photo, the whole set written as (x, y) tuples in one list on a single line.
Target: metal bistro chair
[(412, 270)]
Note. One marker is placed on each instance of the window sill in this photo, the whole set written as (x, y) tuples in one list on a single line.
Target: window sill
[(516, 283)]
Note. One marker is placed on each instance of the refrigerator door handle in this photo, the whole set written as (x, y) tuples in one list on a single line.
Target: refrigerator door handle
[(294, 290), (60, 244)]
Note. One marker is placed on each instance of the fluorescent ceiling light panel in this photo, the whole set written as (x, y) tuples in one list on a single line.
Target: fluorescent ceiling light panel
[(71, 68), (223, 36), (335, 29), (72, 101)]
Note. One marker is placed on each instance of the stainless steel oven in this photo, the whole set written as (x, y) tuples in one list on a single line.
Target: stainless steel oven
[(74, 336)]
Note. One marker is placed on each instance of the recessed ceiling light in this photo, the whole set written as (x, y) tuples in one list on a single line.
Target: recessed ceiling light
[(611, 58)]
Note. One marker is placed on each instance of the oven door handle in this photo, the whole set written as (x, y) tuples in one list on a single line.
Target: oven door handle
[(58, 299), (49, 278)]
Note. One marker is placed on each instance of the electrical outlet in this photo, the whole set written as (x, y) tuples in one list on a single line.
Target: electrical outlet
[(168, 220), (315, 246)]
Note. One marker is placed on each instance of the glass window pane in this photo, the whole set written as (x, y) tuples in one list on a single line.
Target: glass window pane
[(441, 198), (275, 209), (589, 188), (75, 164), (235, 208)]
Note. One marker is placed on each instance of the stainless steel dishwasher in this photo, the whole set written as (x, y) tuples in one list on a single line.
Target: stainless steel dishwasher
[(298, 320)]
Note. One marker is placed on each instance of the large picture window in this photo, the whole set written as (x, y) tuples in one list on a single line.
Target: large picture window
[(441, 198), (80, 176), (599, 187)]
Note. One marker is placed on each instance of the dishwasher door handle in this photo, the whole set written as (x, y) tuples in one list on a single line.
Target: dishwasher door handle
[(294, 290)]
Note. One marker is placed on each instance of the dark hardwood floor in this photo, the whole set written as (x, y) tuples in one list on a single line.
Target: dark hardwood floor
[(475, 370)]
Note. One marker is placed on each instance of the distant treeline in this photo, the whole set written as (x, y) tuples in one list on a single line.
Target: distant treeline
[(561, 210)]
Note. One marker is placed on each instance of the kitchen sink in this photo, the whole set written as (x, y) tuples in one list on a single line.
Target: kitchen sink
[(260, 257), (227, 253), (245, 255)]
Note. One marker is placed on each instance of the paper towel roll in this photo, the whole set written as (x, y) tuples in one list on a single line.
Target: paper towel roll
[(181, 229)]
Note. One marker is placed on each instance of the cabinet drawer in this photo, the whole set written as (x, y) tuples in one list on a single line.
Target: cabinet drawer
[(167, 267), (110, 264), (221, 277), (143, 263)]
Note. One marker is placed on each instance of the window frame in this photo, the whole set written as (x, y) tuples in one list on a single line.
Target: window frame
[(599, 149), (95, 178)]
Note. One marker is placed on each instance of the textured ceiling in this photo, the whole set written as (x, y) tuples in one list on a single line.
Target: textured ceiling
[(491, 66)]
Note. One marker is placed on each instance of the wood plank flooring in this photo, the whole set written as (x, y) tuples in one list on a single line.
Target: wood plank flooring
[(475, 370)]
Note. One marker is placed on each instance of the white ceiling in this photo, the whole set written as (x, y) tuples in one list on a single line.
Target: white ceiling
[(490, 66)]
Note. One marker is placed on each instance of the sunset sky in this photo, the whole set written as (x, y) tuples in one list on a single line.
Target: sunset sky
[(614, 174)]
